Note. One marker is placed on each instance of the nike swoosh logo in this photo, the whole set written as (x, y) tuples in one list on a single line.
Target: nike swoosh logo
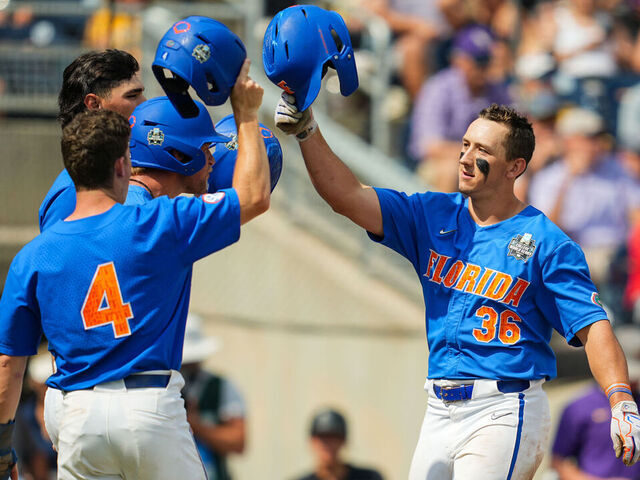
[(495, 416), (442, 232)]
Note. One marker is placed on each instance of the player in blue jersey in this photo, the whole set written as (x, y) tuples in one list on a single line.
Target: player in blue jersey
[(497, 277), (106, 287), (110, 80)]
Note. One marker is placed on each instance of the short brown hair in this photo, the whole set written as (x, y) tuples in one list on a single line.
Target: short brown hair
[(91, 143), (520, 141)]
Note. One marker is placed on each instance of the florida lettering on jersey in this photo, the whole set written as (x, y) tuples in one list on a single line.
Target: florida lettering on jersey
[(475, 279)]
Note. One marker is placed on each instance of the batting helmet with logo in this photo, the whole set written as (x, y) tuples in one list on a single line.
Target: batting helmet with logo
[(300, 43), (158, 132), (225, 155), (200, 52)]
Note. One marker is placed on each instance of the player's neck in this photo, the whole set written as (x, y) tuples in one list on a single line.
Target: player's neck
[(336, 471), (159, 183), (490, 210), (93, 202)]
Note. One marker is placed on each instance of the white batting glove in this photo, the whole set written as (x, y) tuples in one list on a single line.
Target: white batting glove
[(625, 431), (291, 121)]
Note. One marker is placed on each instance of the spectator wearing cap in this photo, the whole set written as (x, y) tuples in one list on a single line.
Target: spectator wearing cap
[(582, 447), (448, 102), (587, 192), (328, 438), (215, 408)]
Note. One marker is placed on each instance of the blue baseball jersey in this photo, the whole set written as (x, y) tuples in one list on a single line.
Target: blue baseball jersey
[(111, 292), (59, 202), (493, 294)]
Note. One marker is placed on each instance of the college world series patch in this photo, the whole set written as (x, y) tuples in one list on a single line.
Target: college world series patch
[(521, 247)]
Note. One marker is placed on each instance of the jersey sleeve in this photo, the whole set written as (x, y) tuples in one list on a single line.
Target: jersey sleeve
[(568, 297), (59, 203), (206, 224), (20, 327), (231, 402), (399, 223)]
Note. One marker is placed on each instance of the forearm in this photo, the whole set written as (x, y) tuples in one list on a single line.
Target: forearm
[(606, 358), (11, 374), (251, 178), (225, 438), (338, 185)]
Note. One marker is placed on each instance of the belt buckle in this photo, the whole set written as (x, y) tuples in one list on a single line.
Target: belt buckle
[(446, 392)]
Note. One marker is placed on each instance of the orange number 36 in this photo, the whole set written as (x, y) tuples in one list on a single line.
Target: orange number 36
[(105, 286), (508, 331)]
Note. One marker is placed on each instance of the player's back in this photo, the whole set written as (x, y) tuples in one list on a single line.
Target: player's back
[(111, 290)]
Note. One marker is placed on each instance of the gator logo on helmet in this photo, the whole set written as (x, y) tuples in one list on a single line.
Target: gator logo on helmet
[(155, 136), (201, 53), (233, 143)]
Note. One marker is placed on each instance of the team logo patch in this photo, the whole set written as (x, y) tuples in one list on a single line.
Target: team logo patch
[(132, 121), (521, 247), (283, 85), (202, 53), (213, 197), (595, 298), (155, 136), (233, 143)]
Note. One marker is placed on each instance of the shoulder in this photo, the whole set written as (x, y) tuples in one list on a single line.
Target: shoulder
[(546, 233)]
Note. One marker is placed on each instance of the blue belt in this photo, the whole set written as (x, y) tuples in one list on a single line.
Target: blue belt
[(463, 392), (146, 381)]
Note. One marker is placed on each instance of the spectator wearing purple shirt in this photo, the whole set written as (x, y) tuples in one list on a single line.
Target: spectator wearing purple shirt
[(587, 192), (448, 102), (582, 447)]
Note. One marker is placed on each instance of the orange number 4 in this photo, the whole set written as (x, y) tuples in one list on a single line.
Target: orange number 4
[(105, 286), (508, 331)]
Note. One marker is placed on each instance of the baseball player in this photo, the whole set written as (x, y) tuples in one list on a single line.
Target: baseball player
[(95, 80), (106, 286), (497, 277)]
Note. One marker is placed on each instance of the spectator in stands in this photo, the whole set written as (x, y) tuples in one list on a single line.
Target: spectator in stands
[(117, 26), (215, 409), (415, 25), (448, 102), (32, 443), (587, 192), (581, 45), (328, 437), (582, 448)]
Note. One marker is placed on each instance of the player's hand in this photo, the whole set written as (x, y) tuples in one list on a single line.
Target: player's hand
[(291, 121), (246, 95), (625, 431)]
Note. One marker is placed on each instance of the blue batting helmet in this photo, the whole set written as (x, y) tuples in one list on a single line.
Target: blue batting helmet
[(225, 155), (200, 52), (300, 43), (157, 130)]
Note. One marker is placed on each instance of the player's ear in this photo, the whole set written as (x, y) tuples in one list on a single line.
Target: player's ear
[(516, 168), (92, 101), (120, 167)]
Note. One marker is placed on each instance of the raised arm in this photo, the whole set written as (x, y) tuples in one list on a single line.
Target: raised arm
[(251, 178), (332, 179), (609, 368)]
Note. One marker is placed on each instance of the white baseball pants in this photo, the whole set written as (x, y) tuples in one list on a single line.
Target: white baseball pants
[(111, 432), (492, 436)]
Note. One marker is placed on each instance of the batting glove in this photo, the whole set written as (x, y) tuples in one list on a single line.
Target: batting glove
[(291, 121), (625, 431)]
